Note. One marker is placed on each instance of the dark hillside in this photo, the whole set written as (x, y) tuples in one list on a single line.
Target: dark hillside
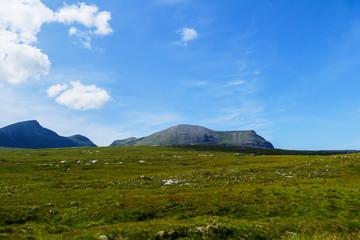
[(30, 134)]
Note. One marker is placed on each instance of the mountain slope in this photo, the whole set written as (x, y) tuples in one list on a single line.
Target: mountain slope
[(197, 135), (30, 134)]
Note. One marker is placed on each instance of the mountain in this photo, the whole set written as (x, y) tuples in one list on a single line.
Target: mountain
[(197, 135), (30, 134)]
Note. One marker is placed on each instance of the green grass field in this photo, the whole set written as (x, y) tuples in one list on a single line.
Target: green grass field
[(178, 193)]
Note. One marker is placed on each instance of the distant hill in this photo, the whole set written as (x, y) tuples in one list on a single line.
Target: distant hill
[(30, 134), (197, 135)]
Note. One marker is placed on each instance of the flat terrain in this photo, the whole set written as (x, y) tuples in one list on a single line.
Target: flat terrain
[(178, 193)]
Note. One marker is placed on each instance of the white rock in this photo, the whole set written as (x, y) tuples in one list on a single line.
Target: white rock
[(103, 237), (170, 181)]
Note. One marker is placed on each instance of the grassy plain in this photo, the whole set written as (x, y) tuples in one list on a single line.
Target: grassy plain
[(178, 193)]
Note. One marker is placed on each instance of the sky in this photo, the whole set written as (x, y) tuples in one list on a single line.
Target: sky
[(109, 70)]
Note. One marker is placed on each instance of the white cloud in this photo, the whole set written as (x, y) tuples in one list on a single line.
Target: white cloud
[(55, 90), (81, 97), (86, 15), (18, 62), (24, 17), (187, 34), (21, 21)]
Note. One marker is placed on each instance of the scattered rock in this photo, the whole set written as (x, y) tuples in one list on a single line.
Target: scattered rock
[(74, 204), (210, 228), (291, 233), (170, 181), (200, 229), (52, 212), (173, 234), (221, 230), (145, 178), (103, 237), (161, 235)]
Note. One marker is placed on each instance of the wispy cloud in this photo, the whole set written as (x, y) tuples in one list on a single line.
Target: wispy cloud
[(148, 120), (247, 116), (83, 36), (195, 84), (143, 123), (187, 35), (236, 82), (235, 99)]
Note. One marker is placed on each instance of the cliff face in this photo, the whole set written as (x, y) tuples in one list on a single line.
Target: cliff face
[(197, 135), (30, 134)]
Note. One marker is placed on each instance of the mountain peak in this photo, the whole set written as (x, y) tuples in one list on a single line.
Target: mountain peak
[(27, 123), (35, 122), (188, 127)]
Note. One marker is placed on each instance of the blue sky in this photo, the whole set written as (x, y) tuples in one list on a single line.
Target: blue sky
[(114, 69)]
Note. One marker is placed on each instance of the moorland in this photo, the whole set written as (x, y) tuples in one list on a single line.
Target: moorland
[(179, 192)]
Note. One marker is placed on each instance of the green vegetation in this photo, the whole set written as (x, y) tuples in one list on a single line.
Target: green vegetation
[(188, 192), (197, 135)]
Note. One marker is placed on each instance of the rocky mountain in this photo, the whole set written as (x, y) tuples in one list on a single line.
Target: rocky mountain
[(197, 135), (30, 134)]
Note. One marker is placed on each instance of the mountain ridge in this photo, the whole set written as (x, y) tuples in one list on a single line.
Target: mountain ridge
[(185, 134), (30, 134)]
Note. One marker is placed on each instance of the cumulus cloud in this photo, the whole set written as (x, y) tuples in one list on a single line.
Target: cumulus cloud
[(24, 17), (18, 62), (79, 96), (55, 90), (21, 21), (86, 15), (89, 16), (187, 34)]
